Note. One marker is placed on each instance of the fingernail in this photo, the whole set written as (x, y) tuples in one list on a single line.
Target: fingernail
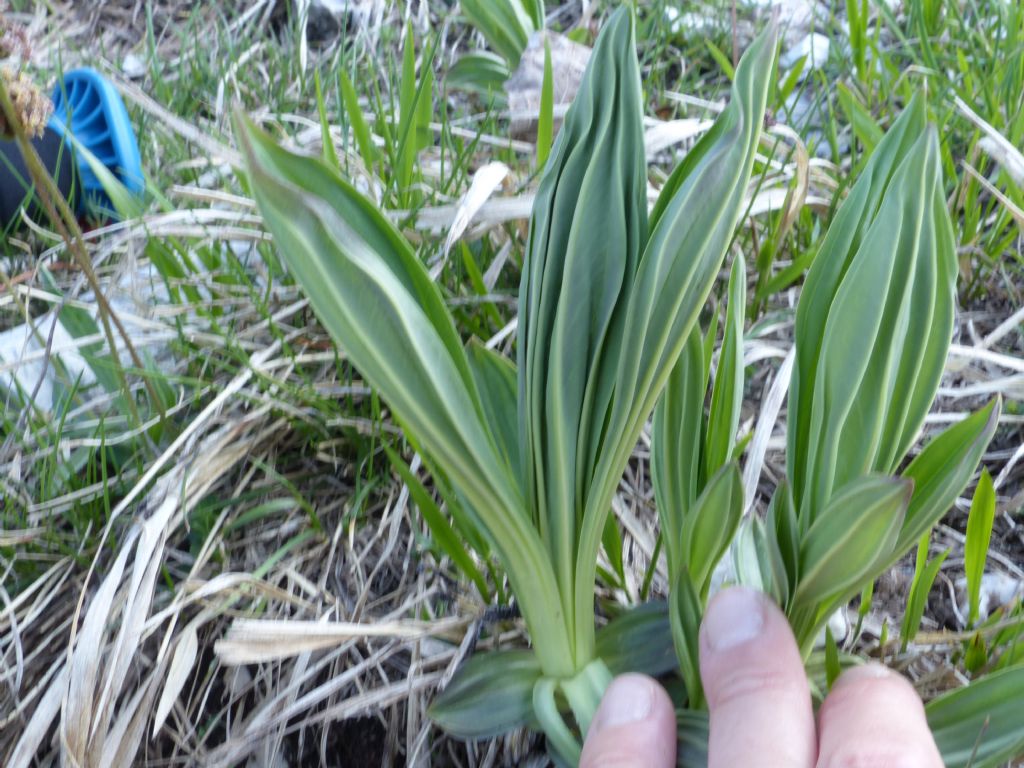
[(871, 671), (629, 698), (735, 616)]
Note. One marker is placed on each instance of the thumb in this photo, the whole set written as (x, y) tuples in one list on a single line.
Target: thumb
[(759, 701), (635, 727)]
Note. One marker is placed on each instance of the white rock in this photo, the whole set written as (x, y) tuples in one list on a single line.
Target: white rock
[(997, 590), (814, 46), (133, 66)]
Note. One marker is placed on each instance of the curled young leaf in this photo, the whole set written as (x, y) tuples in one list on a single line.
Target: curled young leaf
[(588, 223), (710, 526), (856, 529)]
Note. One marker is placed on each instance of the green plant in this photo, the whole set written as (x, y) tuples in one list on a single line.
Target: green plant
[(873, 328), (606, 304), (698, 490), (506, 25)]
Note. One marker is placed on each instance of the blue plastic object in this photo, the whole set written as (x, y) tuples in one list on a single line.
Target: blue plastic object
[(91, 113)]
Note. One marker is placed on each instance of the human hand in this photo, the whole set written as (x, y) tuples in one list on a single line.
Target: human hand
[(760, 705)]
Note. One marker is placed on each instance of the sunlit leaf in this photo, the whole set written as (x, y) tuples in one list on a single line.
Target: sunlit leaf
[(979, 532), (377, 300)]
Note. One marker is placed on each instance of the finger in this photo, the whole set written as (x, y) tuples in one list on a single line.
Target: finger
[(635, 726), (759, 701), (874, 717)]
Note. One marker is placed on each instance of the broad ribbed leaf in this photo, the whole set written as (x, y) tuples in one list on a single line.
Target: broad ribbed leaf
[(692, 733), (482, 73), (588, 223), (727, 393), (685, 614), (942, 470), (640, 640), (495, 377), (980, 725), (491, 694), (854, 530), (923, 360), (376, 299), (676, 440), (867, 334), (673, 279), (710, 526), (834, 258)]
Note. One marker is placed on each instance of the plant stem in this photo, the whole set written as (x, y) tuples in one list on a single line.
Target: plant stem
[(63, 218)]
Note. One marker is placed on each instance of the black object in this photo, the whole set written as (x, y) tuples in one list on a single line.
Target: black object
[(16, 188)]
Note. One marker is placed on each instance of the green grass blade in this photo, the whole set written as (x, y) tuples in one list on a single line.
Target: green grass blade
[(925, 573), (546, 119), (979, 533), (405, 156), (329, 155), (446, 540), (360, 129)]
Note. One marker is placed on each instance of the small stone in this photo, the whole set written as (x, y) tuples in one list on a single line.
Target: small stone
[(133, 66), (814, 46), (568, 63)]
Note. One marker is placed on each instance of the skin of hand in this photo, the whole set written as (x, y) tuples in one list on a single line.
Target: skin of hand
[(760, 705)]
